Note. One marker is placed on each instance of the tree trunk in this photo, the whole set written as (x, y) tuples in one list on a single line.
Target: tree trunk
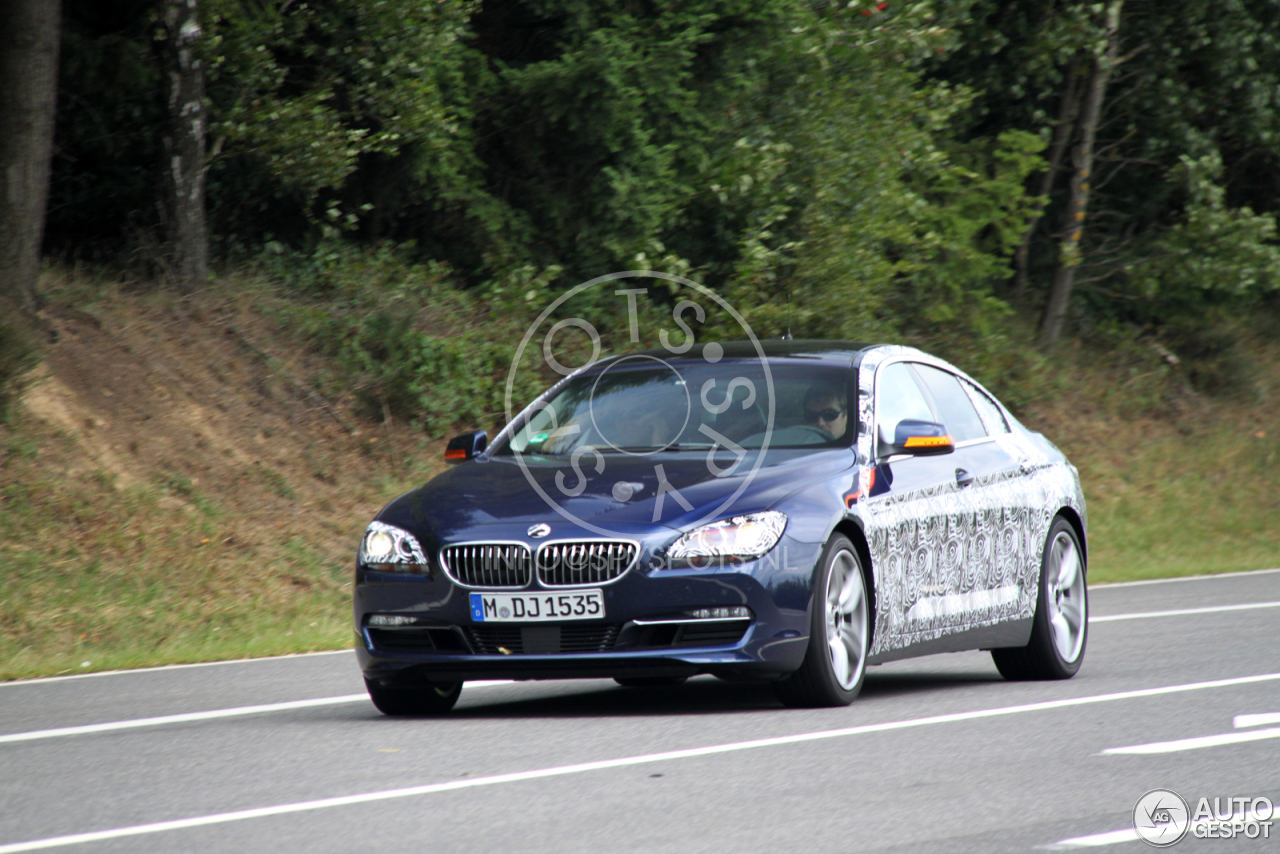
[(1068, 112), (28, 102), (184, 141), (1082, 159)]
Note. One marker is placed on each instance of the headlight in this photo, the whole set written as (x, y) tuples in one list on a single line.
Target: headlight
[(747, 536), (390, 549)]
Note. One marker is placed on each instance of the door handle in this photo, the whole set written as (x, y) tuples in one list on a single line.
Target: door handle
[(963, 477)]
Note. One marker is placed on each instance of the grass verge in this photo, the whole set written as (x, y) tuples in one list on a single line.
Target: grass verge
[(1177, 483), (98, 577), (102, 578)]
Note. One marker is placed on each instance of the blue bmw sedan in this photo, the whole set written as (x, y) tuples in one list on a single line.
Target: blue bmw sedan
[(785, 511)]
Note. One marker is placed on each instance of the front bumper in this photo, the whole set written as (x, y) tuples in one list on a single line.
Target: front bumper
[(643, 632)]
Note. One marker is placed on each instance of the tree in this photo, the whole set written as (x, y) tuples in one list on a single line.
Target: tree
[(28, 97), (185, 163), (1193, 80), (1082, 159), (1063, 129)]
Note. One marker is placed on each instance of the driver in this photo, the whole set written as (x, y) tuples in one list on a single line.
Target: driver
[(826, 407)]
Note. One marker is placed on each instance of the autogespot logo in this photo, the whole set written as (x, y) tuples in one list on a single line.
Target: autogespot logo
[(586, 433), (1161, 817)]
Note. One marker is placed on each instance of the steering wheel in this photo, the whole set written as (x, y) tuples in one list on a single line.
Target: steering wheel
[(810, 429)]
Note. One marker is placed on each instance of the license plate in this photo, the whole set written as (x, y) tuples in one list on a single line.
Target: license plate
[(537, 607)]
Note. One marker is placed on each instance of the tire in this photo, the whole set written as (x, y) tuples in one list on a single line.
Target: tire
[(1061, 625), (835, 663), (404, 702), (650, 681)]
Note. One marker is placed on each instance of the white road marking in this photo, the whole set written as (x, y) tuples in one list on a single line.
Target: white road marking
[(1184, 612), (1194, 743), (205, 716), (183, 718), (1096, 840), (668, 756), (1147, 581), (1255, 720), (42, 680)]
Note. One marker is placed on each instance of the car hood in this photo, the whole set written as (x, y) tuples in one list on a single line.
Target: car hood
[(499, 492)]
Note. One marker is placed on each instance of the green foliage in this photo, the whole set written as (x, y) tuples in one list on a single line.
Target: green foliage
[(363, 103), (1214, 263), (866, 222), (857, 125), (602, 129), (826, 197), (312, 87), (841, 171), (788, 156), (1212, 254), (972, 214), (770, 147), (1193, 100), (881, 226), (404, 340)]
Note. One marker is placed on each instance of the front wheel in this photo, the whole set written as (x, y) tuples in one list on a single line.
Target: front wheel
[(836, 660), (403, 702), (1061, 625)]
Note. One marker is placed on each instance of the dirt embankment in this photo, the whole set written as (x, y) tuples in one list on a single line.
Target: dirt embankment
[(204, 393), (176, 488)]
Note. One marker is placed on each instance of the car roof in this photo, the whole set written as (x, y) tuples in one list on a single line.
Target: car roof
[(843, 353), (847, 354)]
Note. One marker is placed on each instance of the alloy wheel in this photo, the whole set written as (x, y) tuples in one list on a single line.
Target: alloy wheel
[(846, 619)]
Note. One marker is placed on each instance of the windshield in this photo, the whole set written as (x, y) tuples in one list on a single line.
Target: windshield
[(640, 405)]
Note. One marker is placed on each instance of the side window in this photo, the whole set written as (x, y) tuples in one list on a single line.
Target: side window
[(990, 413), (956, 408), (898, 398)]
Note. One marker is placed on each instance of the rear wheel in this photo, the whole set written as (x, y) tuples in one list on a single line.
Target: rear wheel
[(839, 630), (435, 699), (1061, 625)]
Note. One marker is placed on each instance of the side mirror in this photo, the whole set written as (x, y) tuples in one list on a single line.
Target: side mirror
[(921, 438), (466, 447)]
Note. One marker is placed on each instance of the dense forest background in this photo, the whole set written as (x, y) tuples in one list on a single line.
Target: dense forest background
[(978, 177)]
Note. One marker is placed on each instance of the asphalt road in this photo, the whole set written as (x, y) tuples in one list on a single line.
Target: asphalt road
[(939, 754)]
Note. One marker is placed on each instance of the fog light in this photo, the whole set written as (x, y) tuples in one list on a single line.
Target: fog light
[(392, 620), (735, 612)]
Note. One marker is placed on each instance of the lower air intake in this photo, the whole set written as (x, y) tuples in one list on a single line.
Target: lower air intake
[(542, 639)]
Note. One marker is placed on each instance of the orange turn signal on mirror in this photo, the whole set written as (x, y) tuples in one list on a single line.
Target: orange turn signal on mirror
[(455, 454), (928, 441)]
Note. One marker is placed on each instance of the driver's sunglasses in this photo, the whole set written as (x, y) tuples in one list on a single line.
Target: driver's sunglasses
[(823, 414)]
